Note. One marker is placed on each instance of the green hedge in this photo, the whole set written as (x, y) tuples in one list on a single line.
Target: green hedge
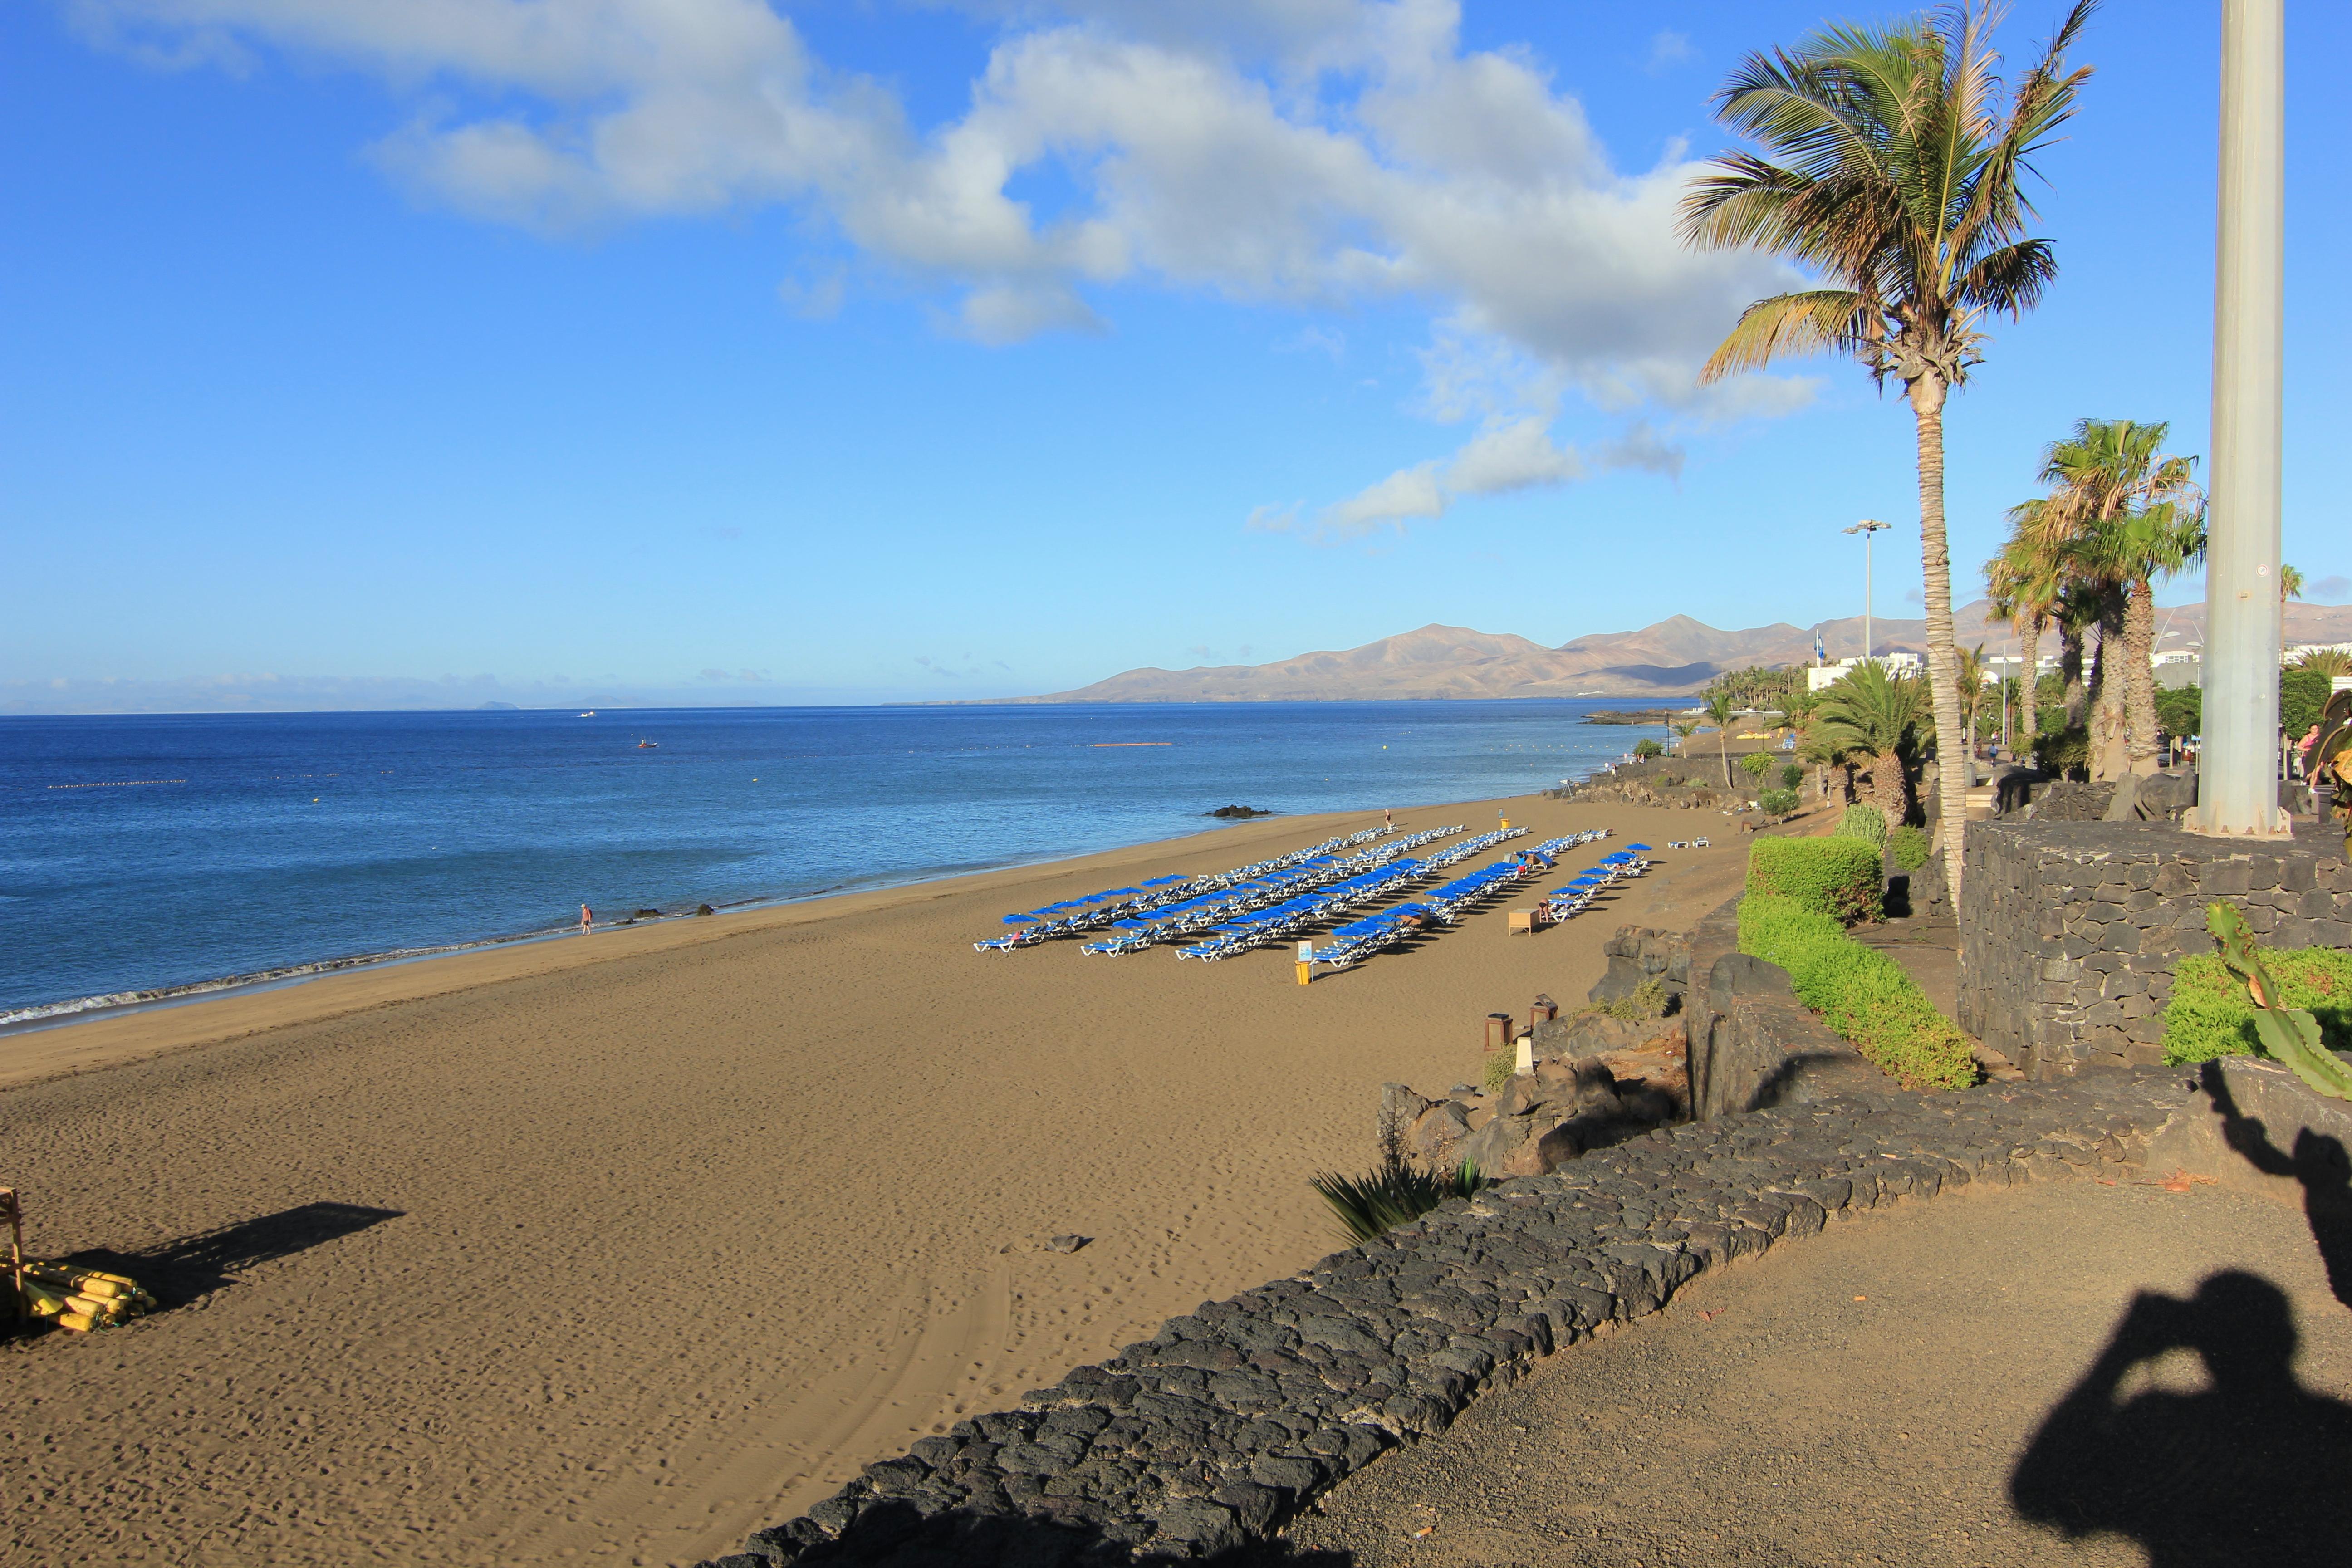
[(1907, 848), (2210, 1015), (1866, 822), (1839, 878), (1861, 993)]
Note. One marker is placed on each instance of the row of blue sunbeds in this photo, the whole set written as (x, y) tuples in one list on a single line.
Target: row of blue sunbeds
[(1442, 905), (1253, 903), (1073, 917), (1321, 906), (1577, 896)]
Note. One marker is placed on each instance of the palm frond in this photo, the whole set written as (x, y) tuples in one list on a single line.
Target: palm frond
[(1816, 320)]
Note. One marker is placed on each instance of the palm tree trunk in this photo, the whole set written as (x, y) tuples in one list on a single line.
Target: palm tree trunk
[(2108, 679), (2140, 673), (2028, 720), (2070, 669), (1927, 395), (1723, 748)]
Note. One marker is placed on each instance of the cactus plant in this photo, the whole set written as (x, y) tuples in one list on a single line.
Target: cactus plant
[(2290, 1034)]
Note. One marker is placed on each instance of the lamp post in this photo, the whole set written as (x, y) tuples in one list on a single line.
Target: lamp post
[(1865, 528), (2237, 793)]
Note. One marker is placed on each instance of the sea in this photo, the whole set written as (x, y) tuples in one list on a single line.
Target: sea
[(150, 857)]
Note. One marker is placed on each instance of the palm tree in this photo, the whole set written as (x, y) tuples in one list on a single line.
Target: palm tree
[(2104, 478), (2329, 662), (1902, 160), (2290, 587), (2024, 586), (1720, 707), (1972, 682), (1881, 721)]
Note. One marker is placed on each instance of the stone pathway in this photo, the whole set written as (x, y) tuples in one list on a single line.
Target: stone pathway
[(1874, 1396)]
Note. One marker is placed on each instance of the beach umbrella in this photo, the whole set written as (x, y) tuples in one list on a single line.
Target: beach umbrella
[(1643, 847)]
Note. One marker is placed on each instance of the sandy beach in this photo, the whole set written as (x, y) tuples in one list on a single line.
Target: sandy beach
[(614, 1247)]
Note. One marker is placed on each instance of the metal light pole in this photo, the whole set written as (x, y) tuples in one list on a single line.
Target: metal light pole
[(1865, 528), (2237, 793)]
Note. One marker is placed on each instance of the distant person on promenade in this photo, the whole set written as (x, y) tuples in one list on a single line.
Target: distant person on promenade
[(587, 919)]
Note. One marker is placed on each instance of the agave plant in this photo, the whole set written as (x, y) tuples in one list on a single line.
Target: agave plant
[(1396, 1191), (2290, 1035)]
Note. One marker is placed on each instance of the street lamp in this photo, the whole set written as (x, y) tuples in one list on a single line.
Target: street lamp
[(1865, 528)]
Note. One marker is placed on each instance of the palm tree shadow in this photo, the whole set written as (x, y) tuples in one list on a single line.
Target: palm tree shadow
[(179, 1271), (2317, 1162), (2226, 1475)]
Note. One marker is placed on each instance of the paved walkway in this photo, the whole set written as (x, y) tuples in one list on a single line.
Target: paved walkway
[(1976, 1380)]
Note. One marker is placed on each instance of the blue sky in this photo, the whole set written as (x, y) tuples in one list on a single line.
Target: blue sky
[(858, 349)]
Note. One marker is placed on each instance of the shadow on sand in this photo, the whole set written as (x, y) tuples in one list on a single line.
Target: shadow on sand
[(2243, 1472), (182, 1270)]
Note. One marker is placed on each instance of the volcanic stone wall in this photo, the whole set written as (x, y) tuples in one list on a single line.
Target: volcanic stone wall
[(2070, 930), (1235, 1416)]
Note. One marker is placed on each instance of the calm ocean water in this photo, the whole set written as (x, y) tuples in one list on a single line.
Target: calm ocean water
[(159, 851)]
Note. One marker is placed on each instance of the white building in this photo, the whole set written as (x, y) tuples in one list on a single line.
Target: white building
[(1820, 676)]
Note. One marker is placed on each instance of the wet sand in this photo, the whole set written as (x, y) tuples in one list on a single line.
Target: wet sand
[(615, 1248)]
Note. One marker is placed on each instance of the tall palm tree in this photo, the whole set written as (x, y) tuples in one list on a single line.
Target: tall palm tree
[(1720, 707), (1901, 158), (2290, 587), (2124, 513), (1880, 721)]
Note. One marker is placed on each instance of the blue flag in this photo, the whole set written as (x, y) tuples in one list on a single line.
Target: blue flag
[(1820, 654)]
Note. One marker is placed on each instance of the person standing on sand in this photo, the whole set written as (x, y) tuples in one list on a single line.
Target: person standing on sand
[(587, 919), (1388, 819)]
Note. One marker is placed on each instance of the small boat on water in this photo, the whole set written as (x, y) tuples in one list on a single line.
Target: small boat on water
[(590, 714), (649, 745)]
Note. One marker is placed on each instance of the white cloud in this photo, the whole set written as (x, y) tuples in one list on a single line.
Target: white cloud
[(1502, 458), (1408, 492), (1668, 50), (1312, 152), (2332, 588), (1513, 457)]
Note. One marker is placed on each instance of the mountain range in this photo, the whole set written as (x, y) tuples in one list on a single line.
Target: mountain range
[(1674, 657)]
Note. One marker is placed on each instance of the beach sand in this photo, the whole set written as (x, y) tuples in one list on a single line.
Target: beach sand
[(616, 1247)]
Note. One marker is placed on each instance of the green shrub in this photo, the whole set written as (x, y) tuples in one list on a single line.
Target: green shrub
[(1839, 877), (2063, 750), (1498, 1069), (1756, 765), (1639, 1006), (1862, 994), (1646, 748), (1397, 1192), (1907, 848), (2303, 694), (1791, 776), (2181, 710), (1779, 802), (1864, 822), (2209, 1015)]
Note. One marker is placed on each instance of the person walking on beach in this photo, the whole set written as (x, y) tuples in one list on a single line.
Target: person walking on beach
[(1388, 819), (587, 919)]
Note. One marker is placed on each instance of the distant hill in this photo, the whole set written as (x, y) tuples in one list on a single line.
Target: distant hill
[(1674, 657)]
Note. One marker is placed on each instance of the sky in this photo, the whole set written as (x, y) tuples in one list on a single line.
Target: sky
[(379, 353)]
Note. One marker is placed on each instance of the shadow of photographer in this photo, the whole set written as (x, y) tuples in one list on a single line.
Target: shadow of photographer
[(2316, 1161), (2243, 1472)]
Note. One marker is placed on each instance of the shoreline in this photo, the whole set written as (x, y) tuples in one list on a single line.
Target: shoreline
[(334, 976)]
